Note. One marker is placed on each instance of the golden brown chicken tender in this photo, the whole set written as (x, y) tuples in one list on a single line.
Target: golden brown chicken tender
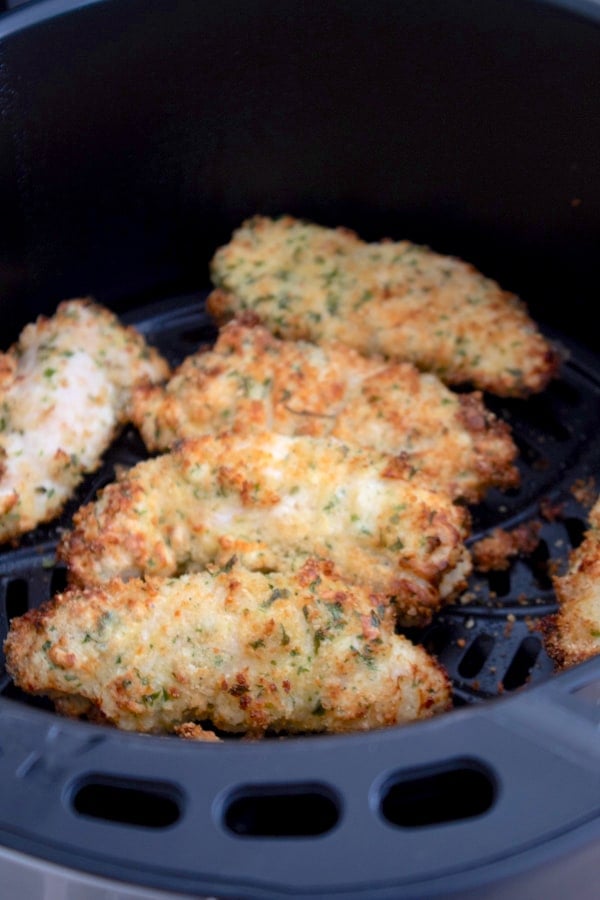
[(252, 381), (572, 635), (64, 391), (251, 652), (398, 300), (268, 499)]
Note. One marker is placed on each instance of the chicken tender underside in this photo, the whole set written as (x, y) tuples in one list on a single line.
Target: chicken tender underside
[(64, 390), (250, 652), (268, 499), (251, 380), (400, 300), (572, 635)]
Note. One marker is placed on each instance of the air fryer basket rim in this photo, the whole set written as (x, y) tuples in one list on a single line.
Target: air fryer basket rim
[(532, 732), (530, 758)]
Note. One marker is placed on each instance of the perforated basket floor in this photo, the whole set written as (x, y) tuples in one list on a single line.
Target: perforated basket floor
[(510, 777), (490, 642)]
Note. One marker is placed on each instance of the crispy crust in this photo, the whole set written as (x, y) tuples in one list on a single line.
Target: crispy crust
[(64, 391), (252, 381), (399, 300), (271, 498), (572, 635), (292, 652), (495, 551)]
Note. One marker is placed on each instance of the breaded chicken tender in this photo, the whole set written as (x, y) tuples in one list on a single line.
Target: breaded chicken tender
[(64, 391), (283, 652), (270, 499), (572, 635), (395, 299), (252, 381)]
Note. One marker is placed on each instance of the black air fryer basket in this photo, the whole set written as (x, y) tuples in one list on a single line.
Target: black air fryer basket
[(135, 135)]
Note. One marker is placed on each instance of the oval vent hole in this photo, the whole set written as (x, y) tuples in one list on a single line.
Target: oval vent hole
[(499, 583), (17, 598), (522, 663), (476, 656), (286, 811), (58, 581), (540, 564), (443, 796), (146, 804), (437, 638), (576, 529)]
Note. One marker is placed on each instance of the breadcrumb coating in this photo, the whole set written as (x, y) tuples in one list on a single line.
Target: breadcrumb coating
[(496, 551), (269, 499), (572, 635), (252, 381), (395, 299), (65, 387), (247, 651)]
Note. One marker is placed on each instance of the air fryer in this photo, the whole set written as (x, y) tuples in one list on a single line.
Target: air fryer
[(134, 137)]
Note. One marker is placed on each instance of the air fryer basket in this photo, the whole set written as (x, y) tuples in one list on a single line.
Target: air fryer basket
[(135, 135)]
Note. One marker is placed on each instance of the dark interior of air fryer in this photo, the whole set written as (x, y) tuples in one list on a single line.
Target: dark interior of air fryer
[(134, 223)]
